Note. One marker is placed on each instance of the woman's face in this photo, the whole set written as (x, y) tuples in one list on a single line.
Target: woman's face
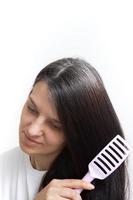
[(40, 131)]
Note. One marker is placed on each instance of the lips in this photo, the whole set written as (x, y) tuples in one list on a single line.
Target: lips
[(30, 141)]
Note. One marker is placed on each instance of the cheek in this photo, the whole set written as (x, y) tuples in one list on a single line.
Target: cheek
[(54, 138), (25, 118)]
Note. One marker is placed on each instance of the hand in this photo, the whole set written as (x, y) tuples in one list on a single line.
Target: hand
[(63, 190)]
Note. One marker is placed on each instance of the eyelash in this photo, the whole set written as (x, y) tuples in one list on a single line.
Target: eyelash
[(54, 126), (31, 109), (35, 112)]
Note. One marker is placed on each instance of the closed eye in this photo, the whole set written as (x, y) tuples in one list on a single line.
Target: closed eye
[(53, 126), (31, 109)]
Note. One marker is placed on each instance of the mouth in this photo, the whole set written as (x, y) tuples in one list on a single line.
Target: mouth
[(30, 142)]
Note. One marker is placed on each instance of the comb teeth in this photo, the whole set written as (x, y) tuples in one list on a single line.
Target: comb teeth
[(109, 159), (112, 155)]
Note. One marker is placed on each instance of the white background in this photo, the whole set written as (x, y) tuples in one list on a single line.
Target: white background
[(34, 33)]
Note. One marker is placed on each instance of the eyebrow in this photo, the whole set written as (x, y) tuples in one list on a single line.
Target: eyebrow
[(32, 101)]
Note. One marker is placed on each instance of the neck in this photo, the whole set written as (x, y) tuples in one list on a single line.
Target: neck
[(41, 162)]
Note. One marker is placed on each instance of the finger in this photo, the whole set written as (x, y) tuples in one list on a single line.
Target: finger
[(77, 183), (69, 194), (72, 183), (61, 198)]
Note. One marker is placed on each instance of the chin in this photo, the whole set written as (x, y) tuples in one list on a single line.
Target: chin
[(29, 150)]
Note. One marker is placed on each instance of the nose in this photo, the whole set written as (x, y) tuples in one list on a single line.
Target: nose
[(35, 128)]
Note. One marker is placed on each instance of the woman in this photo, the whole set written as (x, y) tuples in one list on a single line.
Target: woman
[(67, 119)]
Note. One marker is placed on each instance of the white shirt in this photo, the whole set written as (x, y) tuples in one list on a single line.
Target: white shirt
[(18, 179)]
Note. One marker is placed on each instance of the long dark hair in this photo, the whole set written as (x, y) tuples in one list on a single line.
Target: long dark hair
[(89, 122)]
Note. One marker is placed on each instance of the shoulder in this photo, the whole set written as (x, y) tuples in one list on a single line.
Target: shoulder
[(11, 157), (12, 173), (15, 152)]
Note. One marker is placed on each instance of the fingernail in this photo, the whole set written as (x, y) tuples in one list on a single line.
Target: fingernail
[(90, 186)]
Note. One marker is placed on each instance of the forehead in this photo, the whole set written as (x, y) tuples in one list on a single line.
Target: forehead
[(41, 90), (41, 96)]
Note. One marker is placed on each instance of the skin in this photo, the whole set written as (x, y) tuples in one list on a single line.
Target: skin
[(63, 190), (37, 124), (42, 138)]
